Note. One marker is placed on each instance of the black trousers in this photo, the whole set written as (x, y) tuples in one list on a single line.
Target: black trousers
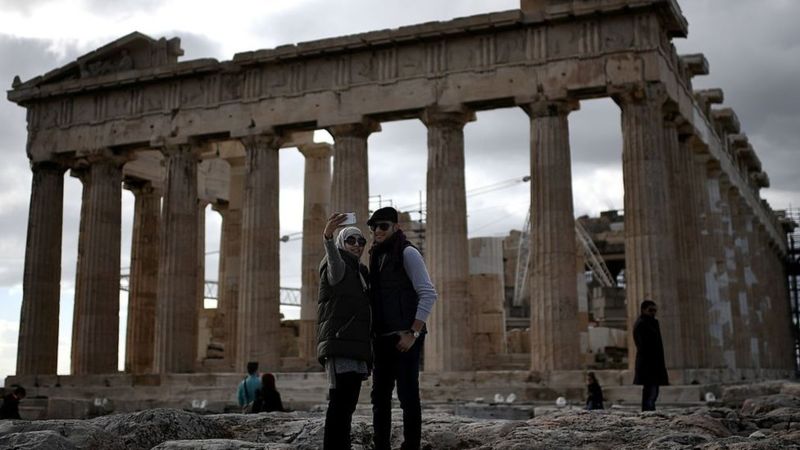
[(341, 405), (649, 397), (393, 366)]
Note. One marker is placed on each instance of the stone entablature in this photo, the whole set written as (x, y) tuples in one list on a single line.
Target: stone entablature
[(566, 50)]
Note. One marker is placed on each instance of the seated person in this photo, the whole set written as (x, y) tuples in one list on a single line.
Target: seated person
[(267, 397)]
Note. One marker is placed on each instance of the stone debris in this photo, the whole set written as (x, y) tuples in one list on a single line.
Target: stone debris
[(765, 422)]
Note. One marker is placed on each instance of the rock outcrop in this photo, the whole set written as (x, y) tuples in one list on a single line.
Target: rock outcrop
[(764, 422)]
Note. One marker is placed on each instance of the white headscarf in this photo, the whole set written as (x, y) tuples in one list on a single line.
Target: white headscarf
[(345, 233)]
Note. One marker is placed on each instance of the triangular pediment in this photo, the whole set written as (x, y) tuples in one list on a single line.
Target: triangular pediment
[(134, 51)]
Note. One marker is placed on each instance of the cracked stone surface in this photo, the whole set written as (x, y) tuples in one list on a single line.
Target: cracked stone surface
[(763, 422)]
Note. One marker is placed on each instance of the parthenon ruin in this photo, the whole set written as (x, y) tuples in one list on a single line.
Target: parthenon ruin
[(181, 135)]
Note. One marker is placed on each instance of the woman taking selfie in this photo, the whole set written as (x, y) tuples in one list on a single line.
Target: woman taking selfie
[(343, 327)]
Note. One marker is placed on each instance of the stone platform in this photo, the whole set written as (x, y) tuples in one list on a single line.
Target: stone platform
[(66, 397)]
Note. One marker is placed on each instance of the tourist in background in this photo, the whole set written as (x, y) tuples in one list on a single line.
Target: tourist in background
[(10, 407), (246, 393), (595, 397), (651, 370), (344, 327), (267, 398), (402, 298)]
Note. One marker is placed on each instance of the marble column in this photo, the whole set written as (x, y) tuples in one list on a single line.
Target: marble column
[(448, 345), (649, 244), (350, 184), (176, 316), (230, 260), (95, 345), (740, 297), (202, 320), (720, 314), (143, 285), (693, 216), (707, 261), (316, 205), (37, 348), (259, 290), (81, 172), (555, 343), (681, 218)]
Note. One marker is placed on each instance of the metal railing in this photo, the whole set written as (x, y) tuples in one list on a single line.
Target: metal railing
[(289, 296)]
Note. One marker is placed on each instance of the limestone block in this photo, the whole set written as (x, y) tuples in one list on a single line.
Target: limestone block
[(602, 337)]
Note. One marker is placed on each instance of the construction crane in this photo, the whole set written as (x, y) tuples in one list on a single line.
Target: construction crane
[(593, 258)]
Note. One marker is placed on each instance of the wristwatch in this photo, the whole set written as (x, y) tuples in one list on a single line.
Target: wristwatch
[(415, 333)]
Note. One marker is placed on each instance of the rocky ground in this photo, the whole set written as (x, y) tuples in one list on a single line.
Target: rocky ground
[(755, 417)]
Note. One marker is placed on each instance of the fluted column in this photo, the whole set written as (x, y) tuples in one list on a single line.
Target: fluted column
[(37, 349), (140, 332), (649, 245), (316, 206), (720, 313), (448, 346), (95, 344), (555, 335), (81, 172), (741, 295), (680, 216), (202, 344), (176, 328), (259, 291), (230, 260), (692, 187), (350, 184)]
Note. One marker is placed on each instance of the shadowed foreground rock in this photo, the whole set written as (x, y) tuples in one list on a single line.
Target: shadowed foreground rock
[(767, 422)]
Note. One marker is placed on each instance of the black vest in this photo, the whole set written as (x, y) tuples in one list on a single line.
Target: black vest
[(344, 317), (394, 300)]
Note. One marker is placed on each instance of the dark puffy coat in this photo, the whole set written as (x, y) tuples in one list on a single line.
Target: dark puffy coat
[(650, 366), (344, 323), (394, 299)]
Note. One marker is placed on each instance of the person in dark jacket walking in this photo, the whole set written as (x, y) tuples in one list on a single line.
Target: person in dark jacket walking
[(402, 298), (595, 398), (268, 398), (344, 344), (651, 370), (10, 407)]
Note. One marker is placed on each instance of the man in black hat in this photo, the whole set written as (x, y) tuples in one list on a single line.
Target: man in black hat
[(402, 297)]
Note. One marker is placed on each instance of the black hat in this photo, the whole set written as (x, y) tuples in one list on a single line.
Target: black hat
[(385, 214)]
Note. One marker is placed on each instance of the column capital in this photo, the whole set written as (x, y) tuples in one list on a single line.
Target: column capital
[(454, 117), (221, 206), (317, 150), (655, 93), (170, 150), (260, 141), (550, 108), (360, 129), (90, 157), (138, 186), (48, 166)]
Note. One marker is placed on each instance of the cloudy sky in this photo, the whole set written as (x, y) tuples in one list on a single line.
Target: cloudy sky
[(753, 49)]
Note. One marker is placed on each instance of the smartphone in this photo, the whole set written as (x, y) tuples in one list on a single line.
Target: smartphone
[(350, 220)]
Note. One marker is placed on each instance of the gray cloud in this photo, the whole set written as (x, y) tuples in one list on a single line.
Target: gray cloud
[(753, 50)]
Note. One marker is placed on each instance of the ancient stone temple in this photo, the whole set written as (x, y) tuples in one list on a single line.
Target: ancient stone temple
[(184, 134)]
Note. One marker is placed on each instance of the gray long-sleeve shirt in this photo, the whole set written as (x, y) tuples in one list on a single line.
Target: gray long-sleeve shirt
[(418, 274)]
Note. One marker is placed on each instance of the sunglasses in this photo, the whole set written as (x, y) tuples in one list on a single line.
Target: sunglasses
[(383, 226), (352, 240)]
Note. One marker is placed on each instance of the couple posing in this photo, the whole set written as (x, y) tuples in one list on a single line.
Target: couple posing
[(372, 320)]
